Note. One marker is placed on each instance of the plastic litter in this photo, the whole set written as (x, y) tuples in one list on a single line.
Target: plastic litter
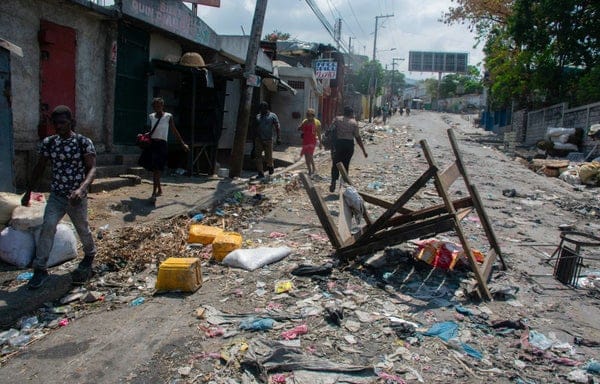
[(446, 330), (539, 340), (63, 322), (25, 276), (251, 259), (283, 286), (311, 270), (138, 301), (295, 332), (257, 324), (198, 217), (19, 340), (471, 351), (7, 335), (28, 323), (593, 367)]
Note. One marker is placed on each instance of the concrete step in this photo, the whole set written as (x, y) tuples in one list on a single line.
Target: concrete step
[(110, 170), (138, 171), (112, 183)]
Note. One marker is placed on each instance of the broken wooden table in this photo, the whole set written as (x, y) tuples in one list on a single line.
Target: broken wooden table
[(399, 224)]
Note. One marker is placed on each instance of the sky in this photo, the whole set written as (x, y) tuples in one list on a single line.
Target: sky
[(415, 26)]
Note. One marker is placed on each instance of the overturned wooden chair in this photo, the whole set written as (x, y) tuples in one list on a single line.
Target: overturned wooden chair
[(399, 224)]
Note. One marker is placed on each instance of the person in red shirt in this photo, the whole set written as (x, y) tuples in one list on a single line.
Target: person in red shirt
[(311, 133)]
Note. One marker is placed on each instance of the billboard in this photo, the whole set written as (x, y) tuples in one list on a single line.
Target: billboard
[(325, 69), (452, 62)]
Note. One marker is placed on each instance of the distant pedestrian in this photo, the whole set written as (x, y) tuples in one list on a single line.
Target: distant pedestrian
[(311, 134), (346, 131), (73, 160), (154, 158), (266, 123)]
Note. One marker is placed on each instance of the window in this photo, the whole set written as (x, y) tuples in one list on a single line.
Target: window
[(296, 84)]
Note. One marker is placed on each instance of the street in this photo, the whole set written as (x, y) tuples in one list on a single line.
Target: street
[(165, 339)]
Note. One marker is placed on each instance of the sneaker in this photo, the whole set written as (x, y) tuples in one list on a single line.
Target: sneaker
[(271, 170), (38, 279), (81, 274), (332, 187)]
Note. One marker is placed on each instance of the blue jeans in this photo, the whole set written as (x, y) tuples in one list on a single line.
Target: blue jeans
[(56, 208)]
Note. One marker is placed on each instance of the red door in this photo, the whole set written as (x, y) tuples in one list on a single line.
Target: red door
[(57, 72)]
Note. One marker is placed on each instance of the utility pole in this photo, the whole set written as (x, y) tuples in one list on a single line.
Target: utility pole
[(241, 132), (372, 92), (394, 71)]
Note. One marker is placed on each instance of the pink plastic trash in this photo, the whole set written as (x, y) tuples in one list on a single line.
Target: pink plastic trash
[(63, 322), (295, 332)]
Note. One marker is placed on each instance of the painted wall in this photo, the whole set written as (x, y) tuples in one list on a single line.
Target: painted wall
[(20, 23)]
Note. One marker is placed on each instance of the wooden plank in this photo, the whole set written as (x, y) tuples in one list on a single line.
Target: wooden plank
[(488, 263), (486, 224), (435, 210), (396, 236), (449, 175), (406, 196), (462, 213), (322, 212), (382, 203), (346, 178), (482, 285)]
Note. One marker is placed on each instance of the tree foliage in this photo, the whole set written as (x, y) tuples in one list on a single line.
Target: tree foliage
[(538, 52), (455, 84), (276, 35), (369, 77)]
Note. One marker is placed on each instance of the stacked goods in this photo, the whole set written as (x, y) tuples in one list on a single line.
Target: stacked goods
[(563, 138)]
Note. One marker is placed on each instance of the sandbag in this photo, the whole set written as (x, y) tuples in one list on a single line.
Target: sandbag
[(17, 247), (8, 202), (27, 218), (251, 259), (565, 146), (64, 247)]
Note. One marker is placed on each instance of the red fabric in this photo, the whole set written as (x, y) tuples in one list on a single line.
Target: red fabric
[(309, 133)]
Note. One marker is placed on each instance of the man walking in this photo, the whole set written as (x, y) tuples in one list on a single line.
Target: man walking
[(73, 160), (266, 121)]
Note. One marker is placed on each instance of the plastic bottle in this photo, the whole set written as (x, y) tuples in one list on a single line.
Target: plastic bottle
[(28, 323), (7, 335), (19, 340)]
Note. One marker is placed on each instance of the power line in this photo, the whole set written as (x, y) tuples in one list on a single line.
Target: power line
[(355, 18), (326, 24)]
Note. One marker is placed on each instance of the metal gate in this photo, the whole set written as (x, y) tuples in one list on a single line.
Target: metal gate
[(131, 100), (6, 132)]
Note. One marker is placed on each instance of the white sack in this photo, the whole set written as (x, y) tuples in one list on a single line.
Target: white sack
[(17, 247), (8, 202), (566, 146), (251, 259), (570, 176), (65, 245), (25, 218), (560, 139), (554, 131)]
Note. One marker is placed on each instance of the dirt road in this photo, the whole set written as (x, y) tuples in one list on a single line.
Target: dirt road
[(162, 340)]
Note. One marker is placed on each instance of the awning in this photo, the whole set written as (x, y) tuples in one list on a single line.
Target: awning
[(274, 83)]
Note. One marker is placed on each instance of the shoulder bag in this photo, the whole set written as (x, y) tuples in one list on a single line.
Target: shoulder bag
[(144, 140)]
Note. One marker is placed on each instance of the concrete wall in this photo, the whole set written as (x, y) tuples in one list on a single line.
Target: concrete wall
[(20, 23)]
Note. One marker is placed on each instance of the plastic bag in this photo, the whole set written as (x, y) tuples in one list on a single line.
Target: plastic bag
[(16, 247), (251, 259), (355, 201), (64, 247)]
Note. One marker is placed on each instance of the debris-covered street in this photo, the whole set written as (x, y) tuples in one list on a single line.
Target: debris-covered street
[(382, 317)]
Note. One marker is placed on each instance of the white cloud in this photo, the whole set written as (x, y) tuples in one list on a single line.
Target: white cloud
[(415, 25)]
